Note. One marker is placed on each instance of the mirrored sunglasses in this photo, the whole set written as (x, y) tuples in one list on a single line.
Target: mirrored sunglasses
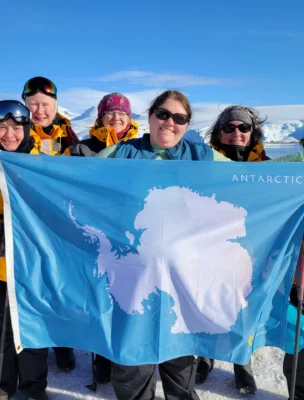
[(39, 84), (15, 110)]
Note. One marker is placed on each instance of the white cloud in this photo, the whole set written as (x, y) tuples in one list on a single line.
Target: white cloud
[(79, 100), (204, 114), (162, 80), (277, 114)]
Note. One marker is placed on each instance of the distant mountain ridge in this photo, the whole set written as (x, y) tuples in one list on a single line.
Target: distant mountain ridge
[(66, 113), (284, 132), (90, 112)]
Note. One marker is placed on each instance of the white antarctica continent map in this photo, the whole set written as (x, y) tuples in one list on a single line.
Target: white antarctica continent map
[(189, 249)]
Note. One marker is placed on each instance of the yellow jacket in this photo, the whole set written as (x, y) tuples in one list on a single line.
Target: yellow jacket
[(100, 138), (108, 135), (59, 138), (37, 143), (257, 153)]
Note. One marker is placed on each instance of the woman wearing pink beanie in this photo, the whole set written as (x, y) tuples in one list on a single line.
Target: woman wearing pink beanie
[(114, 124)]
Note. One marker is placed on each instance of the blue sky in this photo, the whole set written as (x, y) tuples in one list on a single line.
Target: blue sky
[(215, 51)]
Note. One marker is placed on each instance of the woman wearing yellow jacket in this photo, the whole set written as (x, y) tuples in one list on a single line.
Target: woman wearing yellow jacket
[(56, 134), (30, 366), (54, 130), (114, 124)]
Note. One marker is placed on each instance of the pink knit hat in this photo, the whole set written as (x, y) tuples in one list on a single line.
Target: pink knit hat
[(114, 102)]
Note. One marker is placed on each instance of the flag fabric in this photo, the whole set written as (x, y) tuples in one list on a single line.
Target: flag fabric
[(143, 261)]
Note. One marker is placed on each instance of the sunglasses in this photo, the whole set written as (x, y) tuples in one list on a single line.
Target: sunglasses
[(244, 128), (163, 114), (15, 110), (39, 84)]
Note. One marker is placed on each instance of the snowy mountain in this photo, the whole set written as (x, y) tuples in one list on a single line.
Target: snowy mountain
[(287, 132), (89, 113), (284, 132), (65, 112), (82, 124)]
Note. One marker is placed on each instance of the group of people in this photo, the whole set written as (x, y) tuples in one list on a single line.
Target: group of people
[(235, 136)]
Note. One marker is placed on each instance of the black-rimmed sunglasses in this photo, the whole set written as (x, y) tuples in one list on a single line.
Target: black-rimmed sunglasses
[(244, 128), (163, 114), (15, 110)]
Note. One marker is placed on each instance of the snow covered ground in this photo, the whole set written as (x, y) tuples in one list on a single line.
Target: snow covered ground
[(266, 363)]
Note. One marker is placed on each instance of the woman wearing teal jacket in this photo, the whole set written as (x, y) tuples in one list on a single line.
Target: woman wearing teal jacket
[(169, 118)]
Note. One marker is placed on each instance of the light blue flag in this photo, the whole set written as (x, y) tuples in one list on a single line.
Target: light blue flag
[(144, 261)]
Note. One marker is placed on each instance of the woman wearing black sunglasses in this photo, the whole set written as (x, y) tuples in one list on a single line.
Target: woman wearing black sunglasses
[(28, 369), (237, 134), (169, 118)]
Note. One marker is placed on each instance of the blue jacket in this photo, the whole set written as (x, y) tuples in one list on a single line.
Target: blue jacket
[(184, 150)]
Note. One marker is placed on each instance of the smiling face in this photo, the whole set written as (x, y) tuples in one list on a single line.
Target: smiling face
[(43, 109), (236, 137), (11, 135), (116, 119), (167, 134)]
